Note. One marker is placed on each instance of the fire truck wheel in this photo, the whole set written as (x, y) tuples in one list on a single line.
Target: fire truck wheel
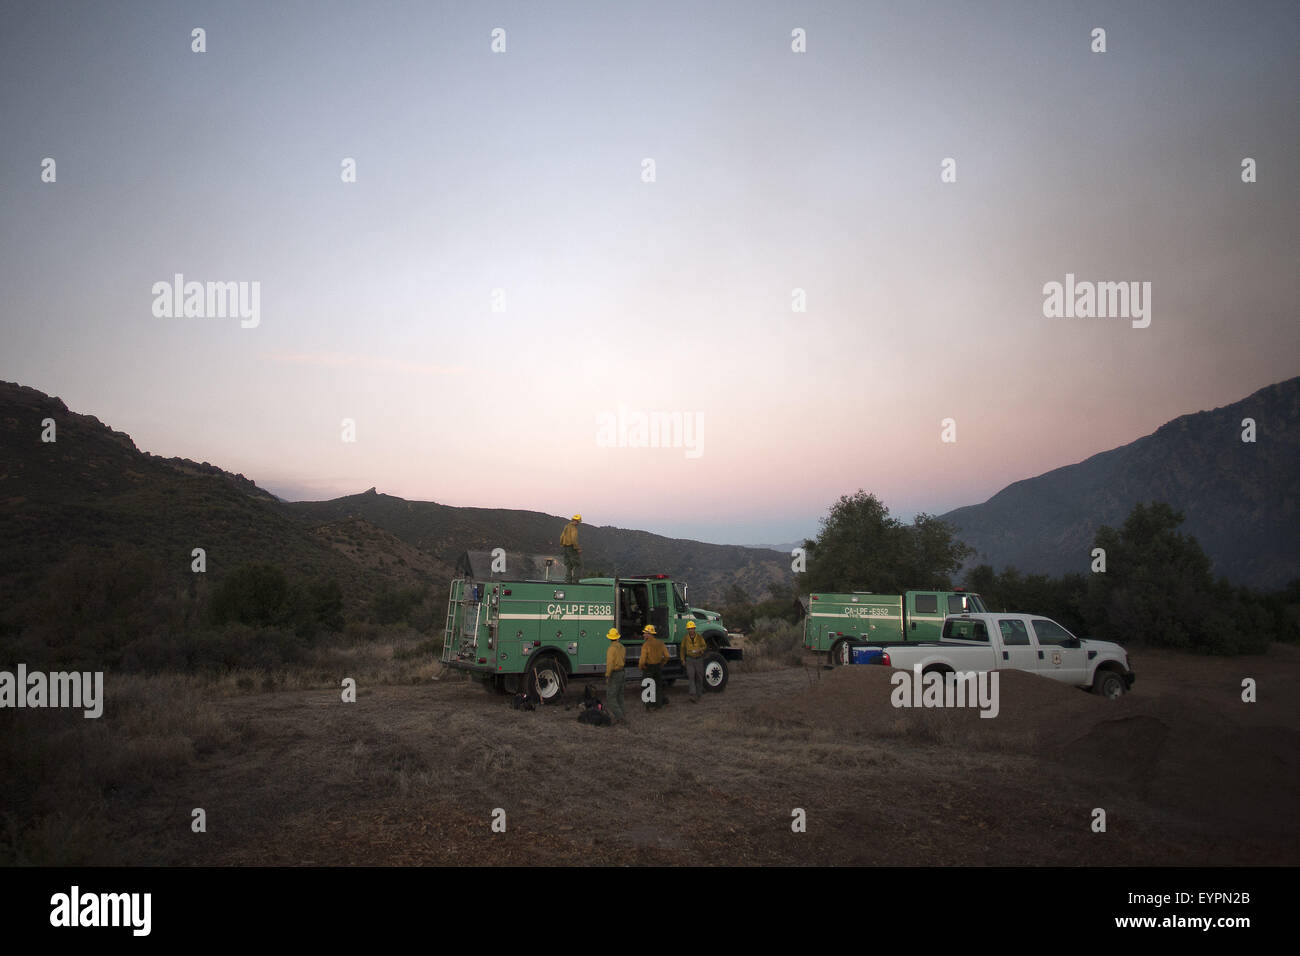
[(715, 672), (546, 679), (839, 653)]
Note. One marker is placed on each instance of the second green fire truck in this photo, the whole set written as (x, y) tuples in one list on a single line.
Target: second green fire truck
[(835, 621), (536, 636)]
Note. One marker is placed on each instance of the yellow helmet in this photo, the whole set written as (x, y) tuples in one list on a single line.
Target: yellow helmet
[(577, 517), (649, 629), (612, 634), (690, 625)]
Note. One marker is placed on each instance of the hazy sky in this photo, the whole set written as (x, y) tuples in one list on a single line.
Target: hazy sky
[(523, 171)]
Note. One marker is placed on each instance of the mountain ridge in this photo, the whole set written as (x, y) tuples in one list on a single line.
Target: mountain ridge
[(1238, 497)]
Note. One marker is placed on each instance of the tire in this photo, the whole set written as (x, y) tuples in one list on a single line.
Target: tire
[(839, 654), (546, 679), (716, 673), (1108, 684)]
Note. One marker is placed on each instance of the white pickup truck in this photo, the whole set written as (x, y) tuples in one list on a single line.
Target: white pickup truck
[(1023, 642)]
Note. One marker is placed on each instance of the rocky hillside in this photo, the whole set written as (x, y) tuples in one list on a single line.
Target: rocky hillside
[(92, 493), (1239, 498), (445, 532)]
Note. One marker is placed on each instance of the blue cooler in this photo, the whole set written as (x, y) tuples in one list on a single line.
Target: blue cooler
[(866, 655)]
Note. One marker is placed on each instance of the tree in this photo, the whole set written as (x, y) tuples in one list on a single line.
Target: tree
[(1061, 599), (255, 594), (1157, 589), (862, 548)]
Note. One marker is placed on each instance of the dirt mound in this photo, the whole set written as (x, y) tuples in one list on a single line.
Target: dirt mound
[(1033, 714)]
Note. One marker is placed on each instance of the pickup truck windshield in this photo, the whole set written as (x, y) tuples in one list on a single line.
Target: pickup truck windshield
[(1049, 632)]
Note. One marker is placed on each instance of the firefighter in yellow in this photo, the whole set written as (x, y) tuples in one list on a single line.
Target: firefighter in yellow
[(693, 648), (615, 661), (572, 550), (651, 663)]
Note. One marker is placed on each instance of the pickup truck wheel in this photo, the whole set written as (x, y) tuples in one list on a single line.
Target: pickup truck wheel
[(839, 654), (1108, 684), (545, 679), (715, 672)]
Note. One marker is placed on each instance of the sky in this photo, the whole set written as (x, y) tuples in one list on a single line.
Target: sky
[(507, 279)]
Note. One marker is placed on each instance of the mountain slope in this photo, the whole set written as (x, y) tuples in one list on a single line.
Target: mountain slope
[(444, 532), (92, 491), (1239, 499)]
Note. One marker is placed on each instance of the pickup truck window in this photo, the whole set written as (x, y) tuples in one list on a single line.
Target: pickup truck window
[(965, 630), (927, 604), (955, 605), (1014, 633), (1049, 632)]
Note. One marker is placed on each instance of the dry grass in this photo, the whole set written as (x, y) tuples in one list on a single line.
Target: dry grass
[(154, 728), (411, 773)]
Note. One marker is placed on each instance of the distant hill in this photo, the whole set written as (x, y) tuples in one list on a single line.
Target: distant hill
[(91, 490), (1239, 499), (446, 532)]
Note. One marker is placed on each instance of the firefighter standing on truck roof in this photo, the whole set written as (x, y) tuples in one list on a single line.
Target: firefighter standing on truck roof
[(693, 648), (615, 661), (651, 663), (572, 550)]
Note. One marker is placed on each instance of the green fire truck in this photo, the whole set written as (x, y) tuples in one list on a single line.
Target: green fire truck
[(835, 621), (536, 636)]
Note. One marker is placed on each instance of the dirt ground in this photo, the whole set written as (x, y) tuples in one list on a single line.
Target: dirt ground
[(1187, 773)]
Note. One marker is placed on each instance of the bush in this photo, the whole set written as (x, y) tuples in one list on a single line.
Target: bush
[(417, 607), (252, 594), (775, 640)]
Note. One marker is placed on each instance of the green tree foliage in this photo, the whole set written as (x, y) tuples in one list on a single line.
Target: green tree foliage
[(1157, 591), (737, 609), (254, 594), (261, 595), (780, 603), (326, 604), (862, 548), (1061, 599), (422, 608)]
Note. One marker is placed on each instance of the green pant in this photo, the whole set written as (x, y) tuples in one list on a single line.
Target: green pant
[(695, 674), (614, 684), (572, 564)]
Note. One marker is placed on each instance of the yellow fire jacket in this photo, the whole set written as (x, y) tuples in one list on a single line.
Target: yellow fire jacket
[(615, 658), (569, 536), (694, 644), (653, 651)]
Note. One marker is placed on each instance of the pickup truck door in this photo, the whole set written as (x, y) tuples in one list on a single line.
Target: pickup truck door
[(1069, 664), (1019, 652)]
